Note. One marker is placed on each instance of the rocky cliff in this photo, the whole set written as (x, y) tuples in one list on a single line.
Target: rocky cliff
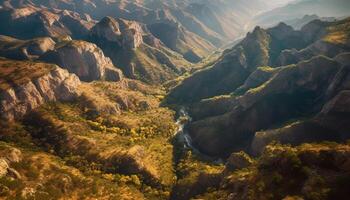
[(24, 49), (260, 104), (30, 21), (84, 59), (21, 94), (259, 48), (139, 54)]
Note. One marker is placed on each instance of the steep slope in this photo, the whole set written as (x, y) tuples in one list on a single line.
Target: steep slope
[(84, 59), (177, 38), (259, 48), (29, 22), (211, 24), (308, 171), (113, 136), (277, 46), (280, 94), (24, 49), (27, 85), (44, 176), (293, 92), (139, 54)]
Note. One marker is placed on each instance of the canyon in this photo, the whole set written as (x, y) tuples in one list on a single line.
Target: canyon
[(174, 99)]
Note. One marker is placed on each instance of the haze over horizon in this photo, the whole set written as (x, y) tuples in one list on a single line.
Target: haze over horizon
[(175, 99)]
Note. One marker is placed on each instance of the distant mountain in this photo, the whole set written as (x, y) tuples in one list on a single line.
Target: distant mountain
[(206, 21), (296, 9), (298, 23), (30, 21), (129, 44)]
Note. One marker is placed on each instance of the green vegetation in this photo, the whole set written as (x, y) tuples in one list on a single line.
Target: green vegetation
[(285, 172), (19, 72), (338, 32)]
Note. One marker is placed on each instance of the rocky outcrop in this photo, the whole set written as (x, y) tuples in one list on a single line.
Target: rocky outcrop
[(257, 78), (139, 54), (259, 48), (285, 95), (24, 49), (85, 60), (239, 96), (329, 124), (8, 157), (318, 48), (107, 29), (29, 22), (274, 47), (126, 33), (19, 95), (132, 33), (177, 38)]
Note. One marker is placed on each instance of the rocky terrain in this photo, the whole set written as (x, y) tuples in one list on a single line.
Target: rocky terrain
[(291, 93), (140, 54), (27, 85), (174, 99), (84, 59)]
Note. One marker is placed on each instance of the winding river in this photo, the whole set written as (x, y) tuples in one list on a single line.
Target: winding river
[(184, 138)]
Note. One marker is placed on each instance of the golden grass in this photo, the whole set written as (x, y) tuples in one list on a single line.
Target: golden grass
[(339, 32), (20, 72)]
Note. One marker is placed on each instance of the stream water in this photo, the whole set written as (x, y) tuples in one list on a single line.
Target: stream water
[(184, 138)]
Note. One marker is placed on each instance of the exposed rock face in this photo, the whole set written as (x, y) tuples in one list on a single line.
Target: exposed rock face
[(126, 33), (139, 54), (211, 23), (177, 38), (259, 48), (85, 60), (108, 29), (258, 77), (329, 124), (281, 98), (29, 22), (132, 33), (19, 96), (239, 97), (275, 47), (24, 49)]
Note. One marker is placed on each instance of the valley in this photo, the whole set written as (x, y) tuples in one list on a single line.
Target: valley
[(174, 99)]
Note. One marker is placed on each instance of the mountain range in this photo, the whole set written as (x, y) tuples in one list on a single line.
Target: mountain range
[(174, 99)]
